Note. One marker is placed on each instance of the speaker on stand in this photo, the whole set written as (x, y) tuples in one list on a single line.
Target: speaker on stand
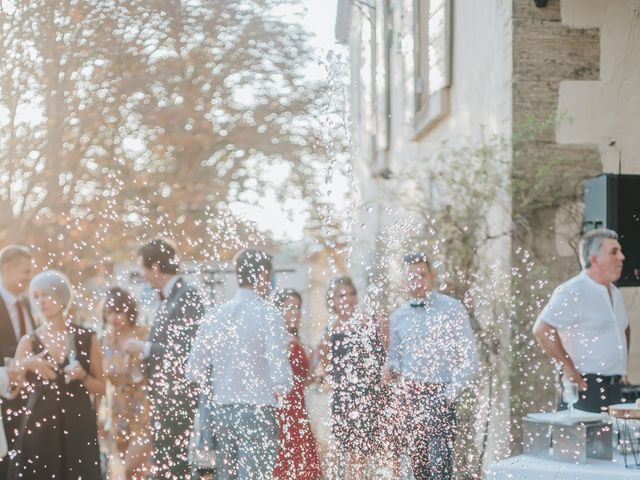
[(613, 201)]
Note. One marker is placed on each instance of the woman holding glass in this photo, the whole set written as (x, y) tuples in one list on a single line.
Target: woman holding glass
[(128, 400), (62, 368), (351, 357)]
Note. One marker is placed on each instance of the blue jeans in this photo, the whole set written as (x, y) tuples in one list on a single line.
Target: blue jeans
[(247, 441)]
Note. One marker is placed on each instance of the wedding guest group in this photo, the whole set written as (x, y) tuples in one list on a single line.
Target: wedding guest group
[(242, 365)]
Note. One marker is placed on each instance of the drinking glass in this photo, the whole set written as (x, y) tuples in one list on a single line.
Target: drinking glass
[(71, 356), (570, 394)]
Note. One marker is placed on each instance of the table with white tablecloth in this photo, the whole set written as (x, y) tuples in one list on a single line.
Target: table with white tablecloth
[(525, 467)]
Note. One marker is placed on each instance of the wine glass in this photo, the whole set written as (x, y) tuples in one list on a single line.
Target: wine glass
[(570, 394), (71, 356)]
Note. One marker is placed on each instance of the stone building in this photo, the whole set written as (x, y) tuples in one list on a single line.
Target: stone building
[(522, 101)]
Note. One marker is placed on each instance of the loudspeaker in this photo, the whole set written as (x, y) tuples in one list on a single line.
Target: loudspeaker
[(613, 201)]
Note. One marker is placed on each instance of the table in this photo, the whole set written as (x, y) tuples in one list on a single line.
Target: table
[(524, 467)]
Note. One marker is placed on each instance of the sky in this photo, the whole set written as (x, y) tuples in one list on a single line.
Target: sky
[(320, 20)]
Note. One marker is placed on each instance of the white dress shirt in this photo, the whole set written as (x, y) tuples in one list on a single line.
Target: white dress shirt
[(168, 287), (591, 325), (431, 341), (10, 301), (241, 353)]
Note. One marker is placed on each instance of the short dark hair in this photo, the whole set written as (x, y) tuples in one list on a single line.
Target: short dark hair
[(249, 263), (12, 252), (417, 257), (281, 296), (333, 286), (160, 252), (120, 301)]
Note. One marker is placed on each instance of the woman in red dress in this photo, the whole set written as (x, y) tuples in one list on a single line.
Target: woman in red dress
[(298, 457)]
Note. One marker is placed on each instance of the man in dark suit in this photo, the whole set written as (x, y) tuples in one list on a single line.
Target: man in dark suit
[(172, 397), (15, 321)]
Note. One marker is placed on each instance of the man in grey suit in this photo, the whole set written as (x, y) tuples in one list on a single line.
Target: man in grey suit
[(172, 397)]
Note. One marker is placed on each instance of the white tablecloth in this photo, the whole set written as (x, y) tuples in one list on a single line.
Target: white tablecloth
[(524, 467)]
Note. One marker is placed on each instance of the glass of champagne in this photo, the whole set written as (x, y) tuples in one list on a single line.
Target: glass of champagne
[(570, 394), (71, 356)]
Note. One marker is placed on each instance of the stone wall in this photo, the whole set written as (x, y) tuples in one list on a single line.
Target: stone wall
[(606, 110), (546, 177)]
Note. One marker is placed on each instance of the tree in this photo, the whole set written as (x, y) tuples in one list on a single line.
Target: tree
[(127, 119)]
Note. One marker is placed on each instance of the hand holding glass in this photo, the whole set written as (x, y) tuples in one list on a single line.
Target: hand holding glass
[(570, 394)]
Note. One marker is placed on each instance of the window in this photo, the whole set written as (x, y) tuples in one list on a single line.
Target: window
[(432, 63), (384, 29)]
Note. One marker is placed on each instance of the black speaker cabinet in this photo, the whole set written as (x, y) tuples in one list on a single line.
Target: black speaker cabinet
[(613, 201)]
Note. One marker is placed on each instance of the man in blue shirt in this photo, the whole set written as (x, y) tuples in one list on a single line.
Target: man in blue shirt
[(240, 360), (432, 357)]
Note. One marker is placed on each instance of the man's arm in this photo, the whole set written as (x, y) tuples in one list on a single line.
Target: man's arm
[(198, 365), (627, 334), (191, 313), (551, 345)]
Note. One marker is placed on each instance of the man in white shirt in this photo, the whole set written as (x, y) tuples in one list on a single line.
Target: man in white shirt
[(240, 360), (16, 266), (433, 354), (584, 328)]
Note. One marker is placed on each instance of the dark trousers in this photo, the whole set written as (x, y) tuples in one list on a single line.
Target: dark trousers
[(172, 423), (601, 392), (430, 431)]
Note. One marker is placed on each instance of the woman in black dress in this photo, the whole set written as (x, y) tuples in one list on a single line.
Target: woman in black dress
[(62, 367), (352, 356)]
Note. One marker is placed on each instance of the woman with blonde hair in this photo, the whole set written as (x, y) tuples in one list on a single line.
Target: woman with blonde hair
[(62, 368)]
